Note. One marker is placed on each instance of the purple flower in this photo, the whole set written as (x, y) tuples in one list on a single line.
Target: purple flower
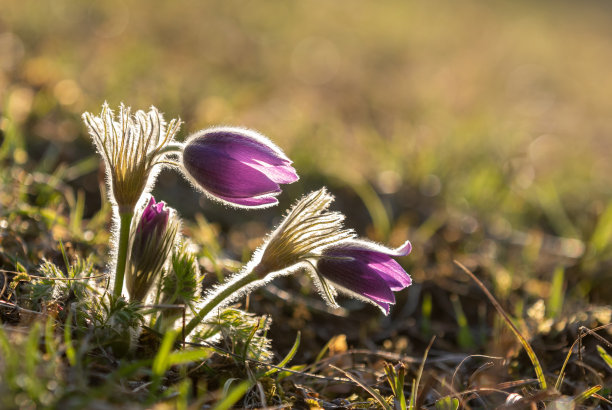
[(152, 241), (365, 270), (153, 221), (237, 166)]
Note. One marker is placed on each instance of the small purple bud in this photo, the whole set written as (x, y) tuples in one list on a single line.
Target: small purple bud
[(365, 270), (237, 166), (153, 222), (152, 241)]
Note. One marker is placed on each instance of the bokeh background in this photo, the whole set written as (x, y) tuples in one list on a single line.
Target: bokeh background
[(479, 130)]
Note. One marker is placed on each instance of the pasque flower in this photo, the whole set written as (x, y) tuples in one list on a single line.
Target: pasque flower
[(312, 238), (237, 166), (132, 147), (151, 242), (365, 270), (307, 228)]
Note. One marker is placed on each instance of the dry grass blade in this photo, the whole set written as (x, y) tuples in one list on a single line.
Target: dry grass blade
[(599, 397), (583, 332), (367, 388), (452, 383), (532, 356), (415, 386)]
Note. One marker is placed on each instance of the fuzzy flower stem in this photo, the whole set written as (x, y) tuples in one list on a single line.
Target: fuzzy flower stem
[(222, 296), (124, 241), (171, 148)]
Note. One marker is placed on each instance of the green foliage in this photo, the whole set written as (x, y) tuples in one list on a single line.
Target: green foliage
[(554, 305), (605, 356), (180, 286), (116, 324), (498, 154), (395, 377), (56, 286), (464, 337), (241, 333), (30, 377), (447, 403), (286, 359)]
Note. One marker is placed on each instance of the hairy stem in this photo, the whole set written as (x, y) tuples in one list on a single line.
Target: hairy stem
[(221, 296), (124, 242)]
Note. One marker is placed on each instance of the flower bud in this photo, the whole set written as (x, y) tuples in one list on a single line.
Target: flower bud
[(151, 243), (365, 270), (237, 166), (181, 285)]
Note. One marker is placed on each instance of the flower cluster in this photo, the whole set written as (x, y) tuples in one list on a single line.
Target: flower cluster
[(239, 168)]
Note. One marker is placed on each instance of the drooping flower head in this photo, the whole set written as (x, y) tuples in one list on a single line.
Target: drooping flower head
[(151, 242), (365, 270), (132, 146), (307, 229), (237, 166)]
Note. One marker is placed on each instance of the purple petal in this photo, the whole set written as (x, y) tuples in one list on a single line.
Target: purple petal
[(238, 166), (258, 201), (385, 307), (281, 174), (394, 275), (357, 277), (378, 258), (387, 268), (366, 269), (264, 157), (239, 140), (154, 216), (222, 175), (403, 250)]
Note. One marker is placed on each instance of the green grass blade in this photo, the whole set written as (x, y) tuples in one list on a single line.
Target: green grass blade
[(396, 381), (161, 363), (586, 394), (413, 394), (70, 352), (415, 384), (50, 344), (233, 396), (532, 356), (447, 403), (584, 332), (374, 205), (555, 301), (287, 358), (602, 235), (426, 309), (324, 349), (605, 356), (188, 356), (400, 397), (464, 337)]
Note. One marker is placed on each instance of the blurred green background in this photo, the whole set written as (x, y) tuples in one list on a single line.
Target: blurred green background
[(476, 128)]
